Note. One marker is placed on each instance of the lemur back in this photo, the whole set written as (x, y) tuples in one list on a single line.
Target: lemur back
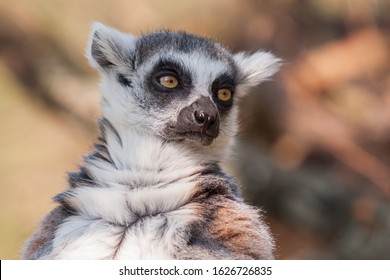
[(154, 187)]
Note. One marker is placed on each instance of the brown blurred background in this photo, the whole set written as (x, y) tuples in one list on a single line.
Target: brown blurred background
[(315, 145)]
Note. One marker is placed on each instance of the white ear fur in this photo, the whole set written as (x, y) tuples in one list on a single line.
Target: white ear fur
[(108, 47), (255, 68)]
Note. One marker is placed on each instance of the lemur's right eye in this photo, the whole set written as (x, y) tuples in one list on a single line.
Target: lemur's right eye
[(168, 81)]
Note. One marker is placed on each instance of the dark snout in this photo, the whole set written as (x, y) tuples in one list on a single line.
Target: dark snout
[(200, 117)]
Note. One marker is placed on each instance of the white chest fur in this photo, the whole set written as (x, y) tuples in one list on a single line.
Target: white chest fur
[(139, 208), (115, 223)]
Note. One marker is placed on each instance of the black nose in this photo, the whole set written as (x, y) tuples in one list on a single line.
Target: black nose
[(205, 117), (206, 121), (201, 116)]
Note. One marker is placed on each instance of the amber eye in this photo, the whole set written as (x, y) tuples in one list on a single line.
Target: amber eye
[(168, 81), (224, 94)]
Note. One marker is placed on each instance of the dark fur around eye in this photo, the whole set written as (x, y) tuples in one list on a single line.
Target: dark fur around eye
[(223, 81), (170, 68), (157, 76)]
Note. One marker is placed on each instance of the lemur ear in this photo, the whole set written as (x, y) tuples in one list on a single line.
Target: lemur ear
[(254, 69), (108, 47)]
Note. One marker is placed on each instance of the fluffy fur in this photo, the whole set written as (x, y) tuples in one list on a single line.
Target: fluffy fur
[(150, 190)]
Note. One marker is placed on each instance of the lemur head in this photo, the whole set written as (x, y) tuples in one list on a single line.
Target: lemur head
[(179, 87)]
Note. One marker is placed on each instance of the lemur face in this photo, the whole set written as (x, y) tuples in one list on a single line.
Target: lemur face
[(189, 84), (178, 86)]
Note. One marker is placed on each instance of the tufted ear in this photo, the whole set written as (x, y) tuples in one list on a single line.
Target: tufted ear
[(108, 48), (254, 69)]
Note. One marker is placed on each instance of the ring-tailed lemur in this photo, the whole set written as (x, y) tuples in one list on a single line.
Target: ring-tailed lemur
[(154, 188)]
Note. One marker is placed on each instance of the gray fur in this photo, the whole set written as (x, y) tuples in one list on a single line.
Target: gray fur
[(157, 42)]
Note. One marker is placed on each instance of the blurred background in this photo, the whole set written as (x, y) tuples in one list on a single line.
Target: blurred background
[(314, 151)]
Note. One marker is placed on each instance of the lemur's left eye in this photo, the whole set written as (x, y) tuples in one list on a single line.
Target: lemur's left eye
[(168, 81), (224, 94)]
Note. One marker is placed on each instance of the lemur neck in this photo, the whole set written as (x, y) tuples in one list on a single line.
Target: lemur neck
[(137, 159)]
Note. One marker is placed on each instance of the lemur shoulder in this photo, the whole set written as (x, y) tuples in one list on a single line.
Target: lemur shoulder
[(154, 187)]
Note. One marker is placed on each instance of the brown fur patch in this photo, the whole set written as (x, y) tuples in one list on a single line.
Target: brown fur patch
[(239, 228)]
